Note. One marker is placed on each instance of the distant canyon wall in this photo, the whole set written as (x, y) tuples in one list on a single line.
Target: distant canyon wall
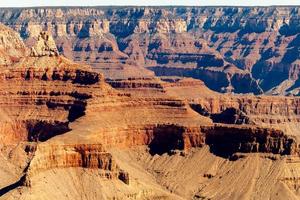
[(232, 49), (72, 21)]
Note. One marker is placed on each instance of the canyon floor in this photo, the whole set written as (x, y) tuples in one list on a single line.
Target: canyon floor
[(139, 117)]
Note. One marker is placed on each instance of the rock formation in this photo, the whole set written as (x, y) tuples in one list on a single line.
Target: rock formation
[(49, 94), (253, 46), (69, 132), (45, 46), (11, 47)]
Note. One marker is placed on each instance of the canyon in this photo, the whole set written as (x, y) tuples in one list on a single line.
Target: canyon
[(231, 49), (149, 103)]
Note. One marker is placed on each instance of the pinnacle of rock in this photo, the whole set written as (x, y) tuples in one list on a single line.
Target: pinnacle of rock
[(45, 46)]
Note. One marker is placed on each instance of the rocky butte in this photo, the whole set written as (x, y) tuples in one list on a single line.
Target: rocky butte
[(149, 103)]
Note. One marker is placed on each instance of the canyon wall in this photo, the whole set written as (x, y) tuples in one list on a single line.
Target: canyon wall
[(60, 117), (232, 49)]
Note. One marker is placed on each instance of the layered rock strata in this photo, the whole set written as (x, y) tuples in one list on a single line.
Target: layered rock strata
[(60, 117), (48, 93), (253, 46)]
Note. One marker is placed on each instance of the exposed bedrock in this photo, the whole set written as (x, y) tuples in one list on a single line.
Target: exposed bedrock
[(12, 48), (223, 141), (135, 83), (253, 46), (167, 138), (226, 140), (175, 19), (41, 95), (51, 74), (31, 130), (48, 92), (249, 109), (228, 116), (92, 156), (53, 96), (217, 80)]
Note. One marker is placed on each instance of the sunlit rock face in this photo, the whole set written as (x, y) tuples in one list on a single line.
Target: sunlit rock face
[(147, 127), (45, 46), (11, 46)]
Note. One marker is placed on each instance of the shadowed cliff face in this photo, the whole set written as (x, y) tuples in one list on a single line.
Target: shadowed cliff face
[(238, 49)]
